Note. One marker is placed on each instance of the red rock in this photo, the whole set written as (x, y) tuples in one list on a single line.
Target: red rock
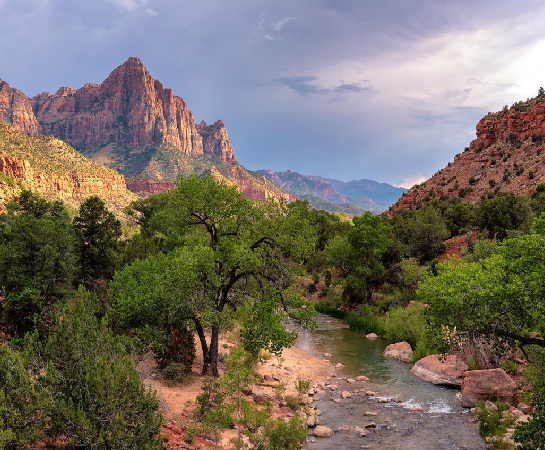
[(399, 350), (492, 384), (145, 188), (436, 371)]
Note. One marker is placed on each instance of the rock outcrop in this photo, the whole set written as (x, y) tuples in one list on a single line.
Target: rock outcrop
[(216, 142), (433, 369), (492, 384), (16, 110), (145, 188), (506, 156)]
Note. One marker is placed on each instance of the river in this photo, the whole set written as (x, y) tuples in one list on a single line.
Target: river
[(443, 423)]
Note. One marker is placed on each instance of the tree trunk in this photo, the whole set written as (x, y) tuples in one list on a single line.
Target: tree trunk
[(204, 346), (213, 351)]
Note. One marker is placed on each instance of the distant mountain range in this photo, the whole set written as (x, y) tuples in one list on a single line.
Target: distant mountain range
[(334, 195)]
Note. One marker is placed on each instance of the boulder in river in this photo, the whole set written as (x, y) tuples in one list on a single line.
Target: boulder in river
[(491, 384), (323, 431), (399, 350), (440, 371), (371, 336)]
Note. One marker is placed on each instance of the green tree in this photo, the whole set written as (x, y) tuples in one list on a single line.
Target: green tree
[(98, 400), (37, 259), (23, 406), (503, 214), (460, 219), (98, 233), (232, 253), (426, 234)]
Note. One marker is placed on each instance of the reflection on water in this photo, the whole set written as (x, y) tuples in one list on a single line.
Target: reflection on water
[(442, 425)]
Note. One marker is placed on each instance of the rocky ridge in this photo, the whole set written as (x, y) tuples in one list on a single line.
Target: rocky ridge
[(506, 156), (57, 171), (316, 190), (132, 123)]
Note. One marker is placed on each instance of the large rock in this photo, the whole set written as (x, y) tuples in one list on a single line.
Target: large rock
[(442, 372), (322, 431), (492, 384), (399, 350)]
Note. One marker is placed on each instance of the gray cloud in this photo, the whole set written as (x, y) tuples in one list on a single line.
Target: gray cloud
[(434, 67)]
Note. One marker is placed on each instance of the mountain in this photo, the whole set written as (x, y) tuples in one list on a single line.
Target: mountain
[(378, 192), (320, 203), (312, 188), (506, 156), (51, 167), (132, 123)]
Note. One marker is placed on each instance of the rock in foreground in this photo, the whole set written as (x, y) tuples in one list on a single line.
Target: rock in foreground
[(400, 350), (492, 384), (442, 372)]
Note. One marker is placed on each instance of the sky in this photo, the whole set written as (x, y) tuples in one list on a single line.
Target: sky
[(386, 90)]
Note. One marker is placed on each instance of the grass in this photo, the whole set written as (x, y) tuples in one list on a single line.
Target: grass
[(356, 322)]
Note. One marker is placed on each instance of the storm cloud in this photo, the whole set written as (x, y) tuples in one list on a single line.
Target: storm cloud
[(346, 89)]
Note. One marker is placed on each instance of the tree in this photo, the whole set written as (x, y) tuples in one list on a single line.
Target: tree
[(501, 299), (98, 399), (426, 234), (37, 260), (232, 253), (503, 214), (98, 233)]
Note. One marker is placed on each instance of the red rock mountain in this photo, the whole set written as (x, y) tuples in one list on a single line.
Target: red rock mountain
[(135, 125), (53, 168), (506, 156)]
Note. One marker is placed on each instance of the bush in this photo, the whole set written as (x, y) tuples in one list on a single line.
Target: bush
[(405, 324), (98, 397), (490, 425), (176, 373), (280, 435), (22, 403)]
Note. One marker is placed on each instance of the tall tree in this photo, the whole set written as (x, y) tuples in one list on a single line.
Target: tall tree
[(234, 254), (98, 233)]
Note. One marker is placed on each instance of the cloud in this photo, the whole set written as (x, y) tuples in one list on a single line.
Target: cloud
[(282, 22), (411, 180), (150, 12), (269, 37), (307, 84), (128, 5)]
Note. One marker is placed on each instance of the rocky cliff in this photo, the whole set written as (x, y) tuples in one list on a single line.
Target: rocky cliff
[(132, 123), (506, 156), (57, 171)]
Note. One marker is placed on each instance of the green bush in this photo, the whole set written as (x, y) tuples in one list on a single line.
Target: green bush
[(491, 424), (281, 435), (22, 403), (176, 373), (405, 324), (98, 398)]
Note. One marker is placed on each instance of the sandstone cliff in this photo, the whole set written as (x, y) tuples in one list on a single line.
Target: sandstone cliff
[(506, 156), (57, 171), (132, 123)]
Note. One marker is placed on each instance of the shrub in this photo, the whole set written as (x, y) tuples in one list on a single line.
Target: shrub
[(491, 424), (405, 324), (303, 385), (281, 435), (176, 373), (22, 403), (98, 397)]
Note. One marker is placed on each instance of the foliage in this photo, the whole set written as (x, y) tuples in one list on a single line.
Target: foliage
[(502, 214), (235, 254), (97, 397), (491, 423), (176, 373), (37, 260), (405, 324), (98, 233), (23, 405), (281, 435)]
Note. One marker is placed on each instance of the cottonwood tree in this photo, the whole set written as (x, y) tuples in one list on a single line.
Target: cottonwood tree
[(500, 298), (232, 253)]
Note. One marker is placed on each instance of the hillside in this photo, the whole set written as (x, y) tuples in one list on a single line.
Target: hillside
[(51, 167), (312, 188), (132, 123), (506, 156)]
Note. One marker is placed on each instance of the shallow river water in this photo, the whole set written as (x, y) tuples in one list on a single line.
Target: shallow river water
[(443, 423)]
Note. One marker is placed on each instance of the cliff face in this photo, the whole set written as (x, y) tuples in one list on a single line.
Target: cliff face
[(54, 169), (16, 110), (133, 124), (506, 156)]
